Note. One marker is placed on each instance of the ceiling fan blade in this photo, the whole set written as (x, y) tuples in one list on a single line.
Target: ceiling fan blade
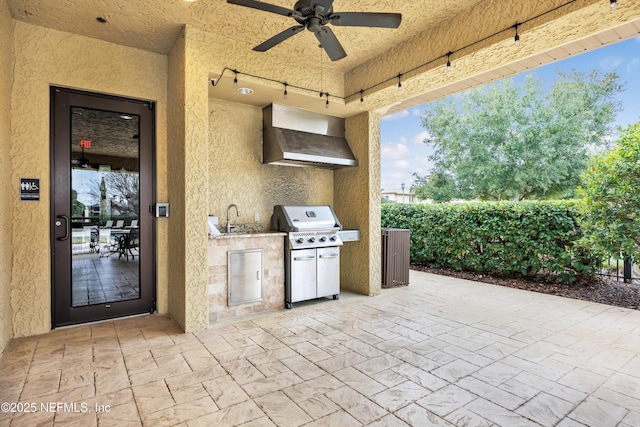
[(279, 38), (265, 6), (366, 19), (330, 43)]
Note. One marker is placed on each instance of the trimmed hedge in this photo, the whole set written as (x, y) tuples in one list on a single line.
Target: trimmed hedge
[(506, 238)]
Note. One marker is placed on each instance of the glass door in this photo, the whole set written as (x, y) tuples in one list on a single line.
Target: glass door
[(102, 186)]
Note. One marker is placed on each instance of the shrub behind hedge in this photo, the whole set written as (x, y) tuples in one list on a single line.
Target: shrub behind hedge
[(505, 238)]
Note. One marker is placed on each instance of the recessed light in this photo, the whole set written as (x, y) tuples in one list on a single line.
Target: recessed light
[(245, 91)]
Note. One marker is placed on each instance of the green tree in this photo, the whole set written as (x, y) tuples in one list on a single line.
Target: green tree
[(77, 207), (611, 192), (507, 141), (437, 187)]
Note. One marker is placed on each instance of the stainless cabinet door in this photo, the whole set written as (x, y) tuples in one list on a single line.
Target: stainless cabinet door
[(245, 276), (328, 271), (303, 275)]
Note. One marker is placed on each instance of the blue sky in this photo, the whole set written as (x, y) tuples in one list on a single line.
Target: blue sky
[(401, 134)]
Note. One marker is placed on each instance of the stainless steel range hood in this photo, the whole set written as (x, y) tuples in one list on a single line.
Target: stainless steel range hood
[(295, 137)]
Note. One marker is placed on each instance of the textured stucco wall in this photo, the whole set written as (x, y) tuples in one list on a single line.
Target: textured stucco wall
[(175, 177), (196, 183), (46, 57), (237, 174), (357, 204), (6, 43)]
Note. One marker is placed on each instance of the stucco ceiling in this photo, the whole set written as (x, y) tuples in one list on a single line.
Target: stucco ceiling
[(154, 25)]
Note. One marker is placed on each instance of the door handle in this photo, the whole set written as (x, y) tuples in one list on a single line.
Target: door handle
[(304, 258), (258, 275), (329, 256), (66, 227)]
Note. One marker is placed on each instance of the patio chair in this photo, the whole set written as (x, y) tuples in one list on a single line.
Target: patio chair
[(94, 244), (119, 224), (132, 242), (108, 224), (134, 224)]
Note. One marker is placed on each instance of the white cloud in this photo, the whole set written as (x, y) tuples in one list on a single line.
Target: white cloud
[(419, 138), (634, 63), (417, 112), (610, 62), (424, 163), (394, 151), (402, 164), (396, 116)]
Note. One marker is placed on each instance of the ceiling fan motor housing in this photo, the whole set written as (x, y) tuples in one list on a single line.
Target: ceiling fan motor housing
[(308, 7)]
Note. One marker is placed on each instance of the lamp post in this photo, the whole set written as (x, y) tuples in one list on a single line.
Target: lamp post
[(402, 186)]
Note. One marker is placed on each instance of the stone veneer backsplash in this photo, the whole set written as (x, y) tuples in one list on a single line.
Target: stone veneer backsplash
[(272, 275)]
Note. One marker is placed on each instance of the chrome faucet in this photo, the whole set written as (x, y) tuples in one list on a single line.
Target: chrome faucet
[(229, 226)]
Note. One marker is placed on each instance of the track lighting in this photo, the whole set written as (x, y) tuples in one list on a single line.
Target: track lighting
[(387, 82), (613, 4)]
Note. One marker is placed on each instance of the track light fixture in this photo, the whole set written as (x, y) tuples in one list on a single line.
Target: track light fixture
[(613, 4), (389, 81)]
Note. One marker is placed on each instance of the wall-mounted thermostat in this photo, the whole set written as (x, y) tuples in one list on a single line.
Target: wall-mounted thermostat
[(162, 210)]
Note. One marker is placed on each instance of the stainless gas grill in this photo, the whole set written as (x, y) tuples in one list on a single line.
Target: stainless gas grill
[(312, 251)]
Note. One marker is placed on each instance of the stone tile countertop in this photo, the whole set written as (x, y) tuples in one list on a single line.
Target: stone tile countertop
[(241, 234), (246, 230)]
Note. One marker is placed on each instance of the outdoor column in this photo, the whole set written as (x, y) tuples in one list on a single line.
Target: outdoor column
[(357, 205), (187, 182)]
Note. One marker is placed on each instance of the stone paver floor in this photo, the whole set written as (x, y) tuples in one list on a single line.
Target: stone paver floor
[(440, 352)]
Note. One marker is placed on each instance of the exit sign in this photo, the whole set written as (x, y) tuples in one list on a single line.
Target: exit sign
[(85, 143)]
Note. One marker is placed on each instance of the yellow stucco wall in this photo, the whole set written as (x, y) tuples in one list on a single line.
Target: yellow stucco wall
[(237, 174), (357, 205), (6, 43), (190, 189), (46, 57), (175, 174)]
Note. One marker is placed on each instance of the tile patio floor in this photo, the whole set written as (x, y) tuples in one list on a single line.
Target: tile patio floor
[(439, 352)]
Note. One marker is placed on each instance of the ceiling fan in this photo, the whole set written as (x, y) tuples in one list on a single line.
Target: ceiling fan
[(314, 15), (82, 162)]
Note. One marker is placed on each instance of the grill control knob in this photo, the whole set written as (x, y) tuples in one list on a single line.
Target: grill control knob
[(312, 239), (323, 239), (332, 238), (299, 240)]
